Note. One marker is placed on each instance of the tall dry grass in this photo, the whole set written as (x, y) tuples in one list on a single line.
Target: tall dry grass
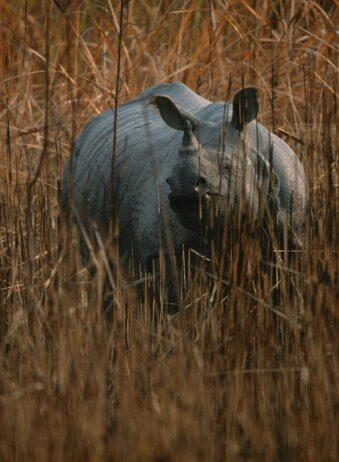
[(233, 377)]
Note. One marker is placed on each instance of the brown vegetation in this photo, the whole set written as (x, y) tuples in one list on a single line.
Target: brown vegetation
[(228, 378)]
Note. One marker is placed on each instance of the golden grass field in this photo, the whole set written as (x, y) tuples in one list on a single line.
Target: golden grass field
[(230, 377)]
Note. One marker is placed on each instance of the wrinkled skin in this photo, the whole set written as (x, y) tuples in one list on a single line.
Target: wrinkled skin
[(180, 162)]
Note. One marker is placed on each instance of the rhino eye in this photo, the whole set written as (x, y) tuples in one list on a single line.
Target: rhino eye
[(227, 168)]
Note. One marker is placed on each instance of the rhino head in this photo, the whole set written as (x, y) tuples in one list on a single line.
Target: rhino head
[(216, 172)]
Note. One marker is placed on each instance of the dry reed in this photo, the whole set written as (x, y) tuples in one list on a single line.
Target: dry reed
[(228, 379)]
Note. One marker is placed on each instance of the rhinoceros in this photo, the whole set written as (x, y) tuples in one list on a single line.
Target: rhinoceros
[(179, 161)]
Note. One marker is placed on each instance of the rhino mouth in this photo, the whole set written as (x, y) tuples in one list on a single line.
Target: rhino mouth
[(188, 203), (200, 204), (194, 210)]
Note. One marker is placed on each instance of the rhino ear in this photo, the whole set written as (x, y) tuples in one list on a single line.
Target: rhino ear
[(173, 114), (245, 107)]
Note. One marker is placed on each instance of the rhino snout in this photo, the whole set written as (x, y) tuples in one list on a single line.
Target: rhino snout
[(197, 185), (189, 196)]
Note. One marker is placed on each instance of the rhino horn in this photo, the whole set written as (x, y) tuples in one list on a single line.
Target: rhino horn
[(189, 141)]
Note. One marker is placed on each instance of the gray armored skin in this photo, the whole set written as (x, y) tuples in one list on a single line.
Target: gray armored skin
[(181, 161)]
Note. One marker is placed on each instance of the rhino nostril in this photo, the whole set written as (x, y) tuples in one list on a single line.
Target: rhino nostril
[(201, 181)]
